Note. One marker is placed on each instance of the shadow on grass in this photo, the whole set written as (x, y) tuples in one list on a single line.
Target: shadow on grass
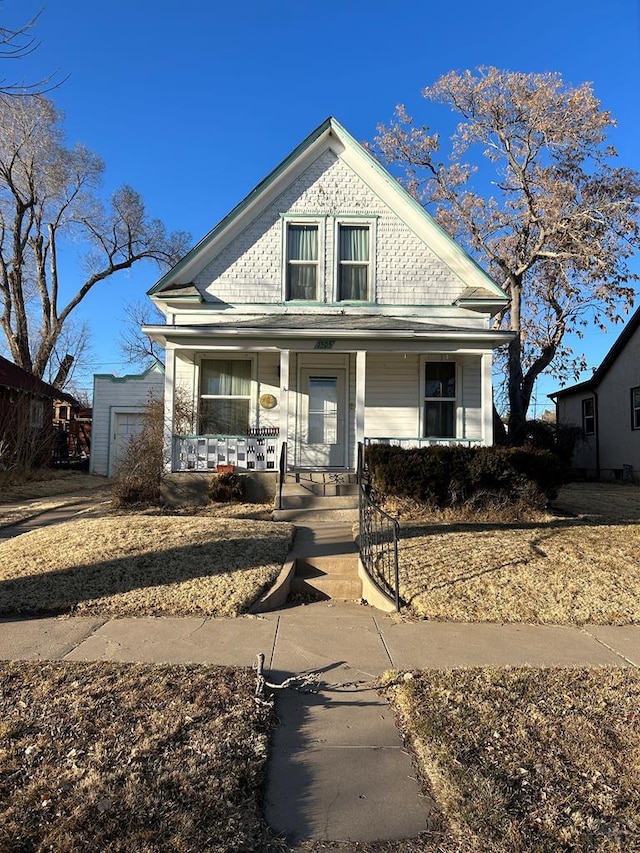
[(61, 591)]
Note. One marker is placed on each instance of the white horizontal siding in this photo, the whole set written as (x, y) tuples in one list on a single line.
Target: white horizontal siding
[(110, 394), (392, 395), (471, 397)]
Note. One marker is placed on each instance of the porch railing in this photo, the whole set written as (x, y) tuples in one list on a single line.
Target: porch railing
[(378, 538), (410, 443), (255, 451), (282, 472)]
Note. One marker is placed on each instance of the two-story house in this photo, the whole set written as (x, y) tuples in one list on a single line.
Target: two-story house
[(326, 309)]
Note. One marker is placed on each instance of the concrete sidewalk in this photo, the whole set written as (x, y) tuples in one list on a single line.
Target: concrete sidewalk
[(337, 770)]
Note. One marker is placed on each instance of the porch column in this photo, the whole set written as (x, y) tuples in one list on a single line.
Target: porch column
[(486, 396), (169, 391), (284, 395), (361, 373)]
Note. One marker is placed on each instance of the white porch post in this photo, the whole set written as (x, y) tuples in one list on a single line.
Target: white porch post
[(169, 402), (361, 373), (486, 384), (284, 395)]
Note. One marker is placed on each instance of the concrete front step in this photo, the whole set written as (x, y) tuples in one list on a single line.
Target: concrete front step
[(314, 516), (330, 576), (321, 483), (311, 501)]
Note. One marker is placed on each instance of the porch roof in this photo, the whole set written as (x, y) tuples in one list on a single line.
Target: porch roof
[(352, 326)]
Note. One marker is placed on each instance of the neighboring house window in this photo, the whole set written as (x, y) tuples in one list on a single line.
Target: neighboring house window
[(440, 399), (588, 417), (635, 408), (225, 396), (37, 413), (302, 261), (354, 268)]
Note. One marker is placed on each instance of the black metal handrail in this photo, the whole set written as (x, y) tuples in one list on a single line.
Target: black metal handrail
[(378, 538), (282, 471)]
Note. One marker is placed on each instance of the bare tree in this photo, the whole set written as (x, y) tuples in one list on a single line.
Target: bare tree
[(49, 198), (136, 347), (19, 44), (541, 204)]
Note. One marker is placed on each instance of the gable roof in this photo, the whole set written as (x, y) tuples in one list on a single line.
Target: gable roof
[(591, 384), (331, 135), (15, 377)]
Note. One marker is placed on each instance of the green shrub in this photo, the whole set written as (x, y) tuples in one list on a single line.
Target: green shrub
[(226, 488), (454, 475)]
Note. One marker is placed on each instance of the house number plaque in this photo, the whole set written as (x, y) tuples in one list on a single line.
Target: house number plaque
[(324, 344)]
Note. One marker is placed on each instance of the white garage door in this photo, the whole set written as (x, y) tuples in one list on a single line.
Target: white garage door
[(125, 426)]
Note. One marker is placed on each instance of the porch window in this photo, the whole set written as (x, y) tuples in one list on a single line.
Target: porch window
[(588, 417), (440, 400), (225, 396), (635, 408), (353, 263), (302, 262)]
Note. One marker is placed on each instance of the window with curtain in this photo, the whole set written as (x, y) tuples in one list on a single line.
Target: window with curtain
[(353, 263), (440, 400), (588, 416), (635, 408), (302, 261), (225, 396)]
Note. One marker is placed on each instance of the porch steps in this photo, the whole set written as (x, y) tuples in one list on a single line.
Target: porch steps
[(318, 496), (326, 560), (326, 576)]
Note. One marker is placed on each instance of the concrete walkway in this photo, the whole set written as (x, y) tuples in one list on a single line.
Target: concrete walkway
[(338, 770)]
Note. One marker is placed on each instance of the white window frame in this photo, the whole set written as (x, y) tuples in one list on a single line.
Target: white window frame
[(361, 221), (36, 412), (423, 399), (588, 415), (253, 390), (635, 407), (319, 222)]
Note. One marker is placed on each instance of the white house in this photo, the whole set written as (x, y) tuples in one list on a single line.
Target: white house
[(327, 309), (607, 408), (119, 405)]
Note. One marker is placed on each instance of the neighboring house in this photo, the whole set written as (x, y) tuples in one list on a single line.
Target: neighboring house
[(27, 416), (327, 309), (119, 406), (607, 408)]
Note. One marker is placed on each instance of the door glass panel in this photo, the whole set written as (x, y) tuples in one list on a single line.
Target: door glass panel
[(323, 410)]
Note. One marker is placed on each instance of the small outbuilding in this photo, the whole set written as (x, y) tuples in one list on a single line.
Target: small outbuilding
[(119, 407)]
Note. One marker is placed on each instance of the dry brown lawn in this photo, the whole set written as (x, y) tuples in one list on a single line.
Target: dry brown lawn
[(141, 565), (526, 759), (107, 757), (579, 563), (48, 490)]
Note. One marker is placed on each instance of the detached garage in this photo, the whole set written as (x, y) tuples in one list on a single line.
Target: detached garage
[(119, 405)]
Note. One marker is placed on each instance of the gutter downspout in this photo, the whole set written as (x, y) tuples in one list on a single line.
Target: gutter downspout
[(597, 415)]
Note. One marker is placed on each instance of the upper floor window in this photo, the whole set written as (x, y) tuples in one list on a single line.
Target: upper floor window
[(440, 399), (588, 416), (354, 269), (635, 408), (225, 396), (302, 261)]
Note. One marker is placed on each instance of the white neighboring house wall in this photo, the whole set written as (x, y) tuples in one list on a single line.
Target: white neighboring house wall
[(605, 407), (119, 404)]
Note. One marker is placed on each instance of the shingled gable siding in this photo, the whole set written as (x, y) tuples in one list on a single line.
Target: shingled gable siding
[(249, 270)]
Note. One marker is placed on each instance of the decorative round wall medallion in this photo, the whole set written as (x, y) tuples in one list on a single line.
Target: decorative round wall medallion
[(268, 401)]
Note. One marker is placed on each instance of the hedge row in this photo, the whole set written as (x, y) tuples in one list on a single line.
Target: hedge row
[(452, 476)]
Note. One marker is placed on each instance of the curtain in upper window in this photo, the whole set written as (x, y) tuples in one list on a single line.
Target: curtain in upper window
[(353, 267), (302, 262)]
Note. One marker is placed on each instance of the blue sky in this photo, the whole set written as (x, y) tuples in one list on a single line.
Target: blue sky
[(193, 103)]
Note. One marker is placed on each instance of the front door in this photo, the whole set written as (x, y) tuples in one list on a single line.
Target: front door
[(322, 438)]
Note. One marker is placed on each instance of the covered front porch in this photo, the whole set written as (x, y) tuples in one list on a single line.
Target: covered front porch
[(308, 407)]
